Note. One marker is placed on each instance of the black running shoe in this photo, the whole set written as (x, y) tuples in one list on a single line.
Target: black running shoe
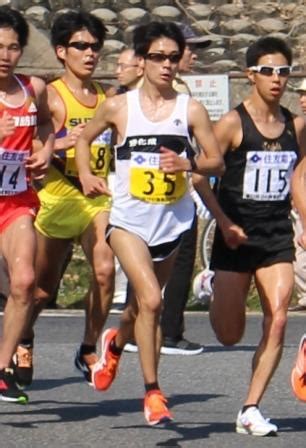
[(180, 347), (23, 366), (85, 367), (8, 388)]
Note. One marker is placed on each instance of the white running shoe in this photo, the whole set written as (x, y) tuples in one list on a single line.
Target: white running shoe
[(253, 423), (131, 347), (202, 286)]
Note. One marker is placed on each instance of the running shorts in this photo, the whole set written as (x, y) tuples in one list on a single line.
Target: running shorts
[(14, 206), (268, 243), (159, 252), (67, 218)]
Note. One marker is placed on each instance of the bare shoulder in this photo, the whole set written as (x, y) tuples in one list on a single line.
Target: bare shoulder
[(112, 103), (38, 84), (195, 106), (197, 114), (229, 120), (55, 102)]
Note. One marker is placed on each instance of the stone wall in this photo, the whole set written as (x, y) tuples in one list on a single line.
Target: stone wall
[(231, 25)]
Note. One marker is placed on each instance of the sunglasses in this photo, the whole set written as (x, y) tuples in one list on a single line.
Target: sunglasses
[(267, 70), (82, 46), (173, 58)]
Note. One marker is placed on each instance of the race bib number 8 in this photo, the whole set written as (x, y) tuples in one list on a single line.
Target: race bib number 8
[(150, 184), (99, 161), (267, 175), (13, 178)]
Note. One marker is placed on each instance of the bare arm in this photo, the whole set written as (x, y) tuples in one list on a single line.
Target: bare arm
[(58, 112), (298, 182), (39, 161), (210, 160), (228, 134), (103, 119), (232, 233)]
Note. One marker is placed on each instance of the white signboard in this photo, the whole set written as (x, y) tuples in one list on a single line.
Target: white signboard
[(212, 91)]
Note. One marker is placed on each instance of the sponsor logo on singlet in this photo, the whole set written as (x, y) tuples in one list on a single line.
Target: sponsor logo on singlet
[(25, 120)]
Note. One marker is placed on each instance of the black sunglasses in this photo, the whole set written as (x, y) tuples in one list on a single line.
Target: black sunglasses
[(267, 70), (82, 46), (174, 58)]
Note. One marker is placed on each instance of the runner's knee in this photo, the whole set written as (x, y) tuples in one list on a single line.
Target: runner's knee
[(22, 284)]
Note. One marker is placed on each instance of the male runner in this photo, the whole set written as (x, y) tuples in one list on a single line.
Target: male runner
[(66, 214), (23, 111), (261, 142), (151, 203)]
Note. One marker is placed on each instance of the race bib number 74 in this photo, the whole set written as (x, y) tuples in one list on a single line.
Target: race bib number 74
[(267, 175), (13, 178)]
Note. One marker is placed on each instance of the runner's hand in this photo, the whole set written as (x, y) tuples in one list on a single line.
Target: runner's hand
[(170, 162), (234, 235), (70, 139), (38, 163), (7, 125), (94, 186)]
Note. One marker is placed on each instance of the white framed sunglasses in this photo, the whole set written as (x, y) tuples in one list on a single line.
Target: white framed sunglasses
[(268, 70)]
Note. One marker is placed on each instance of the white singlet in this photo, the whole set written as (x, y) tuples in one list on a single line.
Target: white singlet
[(154, 205)]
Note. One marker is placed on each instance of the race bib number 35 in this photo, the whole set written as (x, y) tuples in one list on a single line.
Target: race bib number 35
[(150, 184), (267, 175), (13, 179)]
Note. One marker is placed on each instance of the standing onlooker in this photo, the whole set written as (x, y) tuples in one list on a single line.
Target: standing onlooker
[(66, 214), (176, 292), (23, 111)]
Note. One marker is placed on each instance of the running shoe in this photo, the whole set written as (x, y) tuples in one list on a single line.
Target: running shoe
[(298, 374), (155, 408), (104, 371), (131, 347), (9, 391), (202, 286), (180, 346), (23, 366), (253, 423), (85, 363)]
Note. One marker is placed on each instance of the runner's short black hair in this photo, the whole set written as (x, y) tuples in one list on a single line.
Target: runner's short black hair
[(144, 35), (66, 24), (11, 18), (267, 45)]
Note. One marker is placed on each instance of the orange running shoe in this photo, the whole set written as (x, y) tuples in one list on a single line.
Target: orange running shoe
[(155, 409), (23, 366), (104, 371), (298, 374)]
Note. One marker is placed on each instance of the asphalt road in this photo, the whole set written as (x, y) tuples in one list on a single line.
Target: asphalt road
[(205, 393)]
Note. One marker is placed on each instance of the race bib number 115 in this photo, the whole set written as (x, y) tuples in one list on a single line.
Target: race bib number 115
[(267, 175)]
